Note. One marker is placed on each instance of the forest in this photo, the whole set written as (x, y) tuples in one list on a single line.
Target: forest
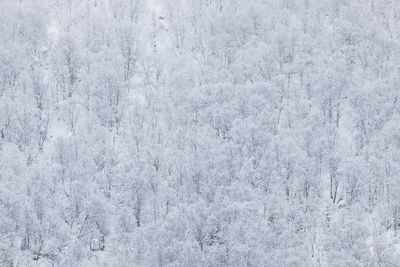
[(199, 133)]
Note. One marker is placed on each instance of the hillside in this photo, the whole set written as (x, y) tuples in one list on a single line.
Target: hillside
[(199, 133)]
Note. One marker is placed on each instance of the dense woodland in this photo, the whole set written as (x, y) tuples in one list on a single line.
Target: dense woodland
[(199, 133)]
